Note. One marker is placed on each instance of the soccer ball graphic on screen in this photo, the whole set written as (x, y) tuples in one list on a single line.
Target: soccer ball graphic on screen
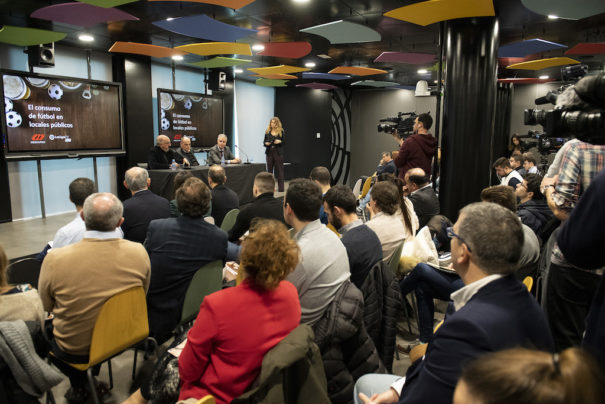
[(163, 113), (55, 92), (188, 104), (165, 124), (13, 119), (8, 104)]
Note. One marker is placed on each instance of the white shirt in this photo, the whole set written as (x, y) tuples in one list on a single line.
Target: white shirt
[(74, 231), (511, 175), (463, 295)]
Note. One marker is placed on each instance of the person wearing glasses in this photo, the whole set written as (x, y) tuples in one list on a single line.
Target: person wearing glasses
[(491, 313)]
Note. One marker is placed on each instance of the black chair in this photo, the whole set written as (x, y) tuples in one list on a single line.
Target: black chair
[(26, 270)]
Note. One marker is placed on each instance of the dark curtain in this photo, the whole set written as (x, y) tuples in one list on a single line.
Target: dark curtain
[(501, 140)]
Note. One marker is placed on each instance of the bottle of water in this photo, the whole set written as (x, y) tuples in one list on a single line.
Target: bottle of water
[(173, 164)]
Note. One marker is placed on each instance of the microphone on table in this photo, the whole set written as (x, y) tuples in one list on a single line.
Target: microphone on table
[(247, 159)]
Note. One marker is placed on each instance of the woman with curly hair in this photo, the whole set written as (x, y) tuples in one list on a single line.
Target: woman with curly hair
[(274, 143), (237, 326)]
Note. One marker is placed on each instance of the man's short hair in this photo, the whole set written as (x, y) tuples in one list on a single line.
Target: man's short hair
[(426, 119), (304, 197), (193, 198), (102, 211), (136, 178), (222, 135), (530, 157), (80, 189), (160, 139), (386, 196), (217, 174), (502, 162), (533, 182), (264, 182), (419, 180), (517, 157), (179, 179), (185, 138), (494, 235), (387, 153), (502, 195), (341, 196), (321, 175)]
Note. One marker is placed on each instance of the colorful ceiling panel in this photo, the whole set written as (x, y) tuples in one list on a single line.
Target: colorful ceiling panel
[(356, 71), (524, 48), (587, 48), (344, 32), (543, 63), (107, 3), (566, 9), (281, 69), (220, 62), (276, 76), (144, 49), (318, 86), (81, 14), (324, 76), (525, 80), (373, 83), (204, 27), (217, 48), (432, 11), (234, 4), (271, 83), (20, 36), (405, 57), (293, 50)]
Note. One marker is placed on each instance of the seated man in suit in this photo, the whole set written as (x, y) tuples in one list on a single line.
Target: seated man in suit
[(178, 247), (161, 155), (143, 207), (492, 312), (185, 151), (264, 205), (422, 195), (223, 198), (220, 152)]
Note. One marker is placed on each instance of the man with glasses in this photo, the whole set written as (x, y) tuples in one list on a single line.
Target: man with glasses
[(492, 312)]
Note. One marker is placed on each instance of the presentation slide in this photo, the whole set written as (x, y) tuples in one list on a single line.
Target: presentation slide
[(197, 116), (44, 114)]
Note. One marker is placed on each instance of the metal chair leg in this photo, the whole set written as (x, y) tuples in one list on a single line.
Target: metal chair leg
[(93, 386), (110, 374), (134, 363)]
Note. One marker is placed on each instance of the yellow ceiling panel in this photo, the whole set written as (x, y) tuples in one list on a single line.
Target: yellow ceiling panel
[(356, 71), (432, 11), (281, 69), (543, 63), (217, 48)]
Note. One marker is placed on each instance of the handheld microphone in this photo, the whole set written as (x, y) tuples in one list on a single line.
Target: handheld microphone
[(247, 158)]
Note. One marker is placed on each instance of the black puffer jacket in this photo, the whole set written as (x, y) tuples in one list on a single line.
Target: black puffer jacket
[(534, 213), (346, 348), (382, 302)]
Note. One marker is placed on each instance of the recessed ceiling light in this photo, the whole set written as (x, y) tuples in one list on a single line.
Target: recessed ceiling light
[(435, 81), (310, 65), (301, 1), (543, 77), (86, 38), (553, 17), (177, 57), (258, 47), (169, 18), (422, 71), (238, 71)]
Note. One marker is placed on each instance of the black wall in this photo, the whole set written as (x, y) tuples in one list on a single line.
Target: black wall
[(5, 201), (304, 113)]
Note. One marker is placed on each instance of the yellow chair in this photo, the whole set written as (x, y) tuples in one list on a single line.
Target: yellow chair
[(528, 282), (331, 227), (229, 220), (366, 187), (207, 400), (121, 324)]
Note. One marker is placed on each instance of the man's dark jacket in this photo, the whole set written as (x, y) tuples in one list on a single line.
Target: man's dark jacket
[(160, 159), (140, 209), (426, 205), (534, 213), (223, 200), (214, 155), (416, 151), (363, 249), (265, 205)]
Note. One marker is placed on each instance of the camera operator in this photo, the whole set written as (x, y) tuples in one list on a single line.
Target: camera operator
[(570, 288), (417, 150)]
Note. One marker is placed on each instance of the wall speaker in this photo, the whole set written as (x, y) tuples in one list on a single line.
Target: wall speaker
[(217, 80), (42, 55)]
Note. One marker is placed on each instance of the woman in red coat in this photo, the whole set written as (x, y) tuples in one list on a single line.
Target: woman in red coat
[(237, 326)]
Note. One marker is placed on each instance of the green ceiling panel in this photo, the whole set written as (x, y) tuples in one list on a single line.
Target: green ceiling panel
[(220, 62), (271, 83), (28, 36), (107, 3)]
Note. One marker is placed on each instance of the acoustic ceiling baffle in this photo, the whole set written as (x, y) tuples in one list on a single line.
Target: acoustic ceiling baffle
[(271, 83), (357, 71), (571, 10), (217, 48), (144, 49), (405, 57), (543, 63), (234, 4), (344, 32), (204, 27), (20, 36), (529, 47), (432, 11), (81, 14), (292, 50)]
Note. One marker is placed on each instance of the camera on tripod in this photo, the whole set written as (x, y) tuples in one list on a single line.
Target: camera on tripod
[(403, 124)]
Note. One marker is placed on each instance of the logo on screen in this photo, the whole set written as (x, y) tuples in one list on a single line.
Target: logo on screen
[(38, 136), (177, 137)]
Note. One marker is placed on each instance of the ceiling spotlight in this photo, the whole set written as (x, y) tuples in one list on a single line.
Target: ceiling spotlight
[(238, 71), (310, 65), (422, 71), (258, 47), (553, 17), (301, 1), (86, 38), (435, 81), (169, 18), (177, 57), (543, 77)]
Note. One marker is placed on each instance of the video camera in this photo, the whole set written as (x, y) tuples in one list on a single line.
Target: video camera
[(403, 124), (545, 144)]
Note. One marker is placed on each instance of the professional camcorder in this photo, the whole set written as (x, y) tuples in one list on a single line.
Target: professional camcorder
[(403, 124), (542, 142)]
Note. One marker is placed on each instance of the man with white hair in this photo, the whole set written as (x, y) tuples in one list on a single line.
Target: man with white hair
[(161, 155), (143, 207), (220, 152), (77, 279)]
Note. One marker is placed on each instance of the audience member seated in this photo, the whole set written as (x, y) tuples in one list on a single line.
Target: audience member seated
[(179, 180), (504, 196), (178, 247), (532, 209), (220, 153), (264, 205), (516, 162), (223, 198), (386, 164), (321, 176), (523, 376), (515, 147), (161, 155), (18, 302), (530, 163), (76, 280), (506, 174), (142, 207), (362, 244), (420, 192), (185, 151), (492, 312), (324, 266), (386, 220)]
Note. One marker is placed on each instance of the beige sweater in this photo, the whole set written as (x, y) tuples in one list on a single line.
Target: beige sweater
[(77, 279), (25, 306)]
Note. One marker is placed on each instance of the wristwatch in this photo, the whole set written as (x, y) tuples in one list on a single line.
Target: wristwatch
[(545, 187)]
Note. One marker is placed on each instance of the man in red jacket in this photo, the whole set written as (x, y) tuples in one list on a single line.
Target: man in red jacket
[(417, 150)]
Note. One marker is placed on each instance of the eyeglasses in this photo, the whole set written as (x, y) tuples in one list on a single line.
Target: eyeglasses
[(523, 185), (452, 234)]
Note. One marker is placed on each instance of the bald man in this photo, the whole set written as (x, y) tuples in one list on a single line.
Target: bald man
[(161, 155), (421, 194), (221, 151)]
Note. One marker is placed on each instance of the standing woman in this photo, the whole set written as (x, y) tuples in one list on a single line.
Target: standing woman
[(274, 141)]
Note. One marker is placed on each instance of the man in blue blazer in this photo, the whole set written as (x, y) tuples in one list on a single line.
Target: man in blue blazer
[(492, 311)]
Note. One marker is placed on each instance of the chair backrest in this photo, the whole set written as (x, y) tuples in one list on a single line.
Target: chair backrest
[(528, 282), (357, 188), (121, 323), (394, 260), (366, 187), (229, 219), (208, 279), (26, 270)]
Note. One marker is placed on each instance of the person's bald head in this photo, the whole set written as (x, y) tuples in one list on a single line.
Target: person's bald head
[(102, 212), (186, 144), (163, 142), (216, 175), (415, 178), (221, 141)]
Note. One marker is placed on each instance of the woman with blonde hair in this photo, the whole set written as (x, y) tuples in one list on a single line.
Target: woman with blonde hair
[(274, 143), (237, 326)]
